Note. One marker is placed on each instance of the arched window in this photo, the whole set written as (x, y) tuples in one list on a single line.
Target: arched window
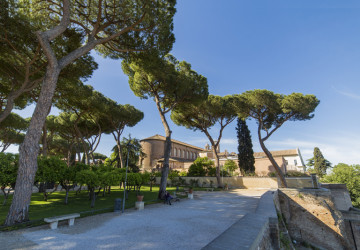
[(175, 153)]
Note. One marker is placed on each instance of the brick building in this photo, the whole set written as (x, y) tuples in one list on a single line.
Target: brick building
[(183, 155)]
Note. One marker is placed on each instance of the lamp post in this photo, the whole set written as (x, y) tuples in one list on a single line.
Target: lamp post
[(127, 164)]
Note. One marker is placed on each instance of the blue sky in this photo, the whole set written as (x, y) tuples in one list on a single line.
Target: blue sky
[(306, 46)]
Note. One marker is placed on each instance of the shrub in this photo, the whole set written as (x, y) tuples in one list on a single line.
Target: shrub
[(157, 174), (272, 174), (224, 173), (8, 173), (230, 166), (182, 181), (110, 178), (202, 166), (194, 182), (294, 173), (252, 174), (145, 179), (173, 174), (51, 169), (133, 180), (211, 171), (196, 170), (82, 166), (91, 180), (183, 173), (349, 175)]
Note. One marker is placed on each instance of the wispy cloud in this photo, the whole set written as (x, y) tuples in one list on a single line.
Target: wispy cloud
[(197, 141), (339, 146), (336, 149), (228, 141), (204, 140), (348, 94)]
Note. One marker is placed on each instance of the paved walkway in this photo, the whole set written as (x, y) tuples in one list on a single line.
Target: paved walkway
[(188, 224)]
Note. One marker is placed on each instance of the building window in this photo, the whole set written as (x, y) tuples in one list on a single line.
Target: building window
[(179, 152), (175, 152), (183, 154), (295, 161), (187, 154)]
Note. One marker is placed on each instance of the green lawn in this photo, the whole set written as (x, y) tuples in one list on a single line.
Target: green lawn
[(54, 206)]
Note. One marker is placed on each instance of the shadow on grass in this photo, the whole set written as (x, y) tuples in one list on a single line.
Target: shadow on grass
[(77, 203)]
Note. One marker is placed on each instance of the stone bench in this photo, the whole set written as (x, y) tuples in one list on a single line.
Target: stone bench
[(54, 220)]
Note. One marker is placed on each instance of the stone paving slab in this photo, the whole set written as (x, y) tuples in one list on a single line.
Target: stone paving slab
[(188, 224), (244, 233)]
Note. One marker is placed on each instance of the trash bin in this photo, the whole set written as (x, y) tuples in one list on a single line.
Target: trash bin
[(118, 205)]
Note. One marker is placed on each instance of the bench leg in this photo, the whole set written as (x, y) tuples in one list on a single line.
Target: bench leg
[(53, 225), (71, 221)]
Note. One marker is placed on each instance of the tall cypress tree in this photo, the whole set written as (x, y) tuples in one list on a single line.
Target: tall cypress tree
[(245, 148), (319, 162)]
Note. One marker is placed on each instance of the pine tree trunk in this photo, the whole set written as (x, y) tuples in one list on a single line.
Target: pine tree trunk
[(217, 165), (167, 149), (67, 195), (29, 150), (45, 195), (79, 156), (44, 141), (6, 195), (93, 197), (117, 139), (272, 160), (217, 162), (120, 152)]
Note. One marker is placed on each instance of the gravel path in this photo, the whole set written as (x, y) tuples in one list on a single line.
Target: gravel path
[(188, 224)]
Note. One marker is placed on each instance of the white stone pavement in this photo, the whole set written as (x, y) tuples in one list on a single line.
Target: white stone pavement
[(188, 224)]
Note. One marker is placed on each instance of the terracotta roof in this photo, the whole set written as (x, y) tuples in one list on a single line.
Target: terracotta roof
[(162, 138), (287, 152)]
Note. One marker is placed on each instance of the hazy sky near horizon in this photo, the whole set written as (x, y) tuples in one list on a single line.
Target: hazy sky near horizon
[(307, 46)]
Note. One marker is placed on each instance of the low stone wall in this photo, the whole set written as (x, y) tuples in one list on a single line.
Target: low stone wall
[(232, 182), (299, 182), (249, 182)]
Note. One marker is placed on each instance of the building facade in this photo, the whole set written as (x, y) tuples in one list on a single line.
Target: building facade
[(183, 155)]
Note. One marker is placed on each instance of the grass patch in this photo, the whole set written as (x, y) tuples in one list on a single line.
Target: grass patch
[(54, 206), (284, 241)]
